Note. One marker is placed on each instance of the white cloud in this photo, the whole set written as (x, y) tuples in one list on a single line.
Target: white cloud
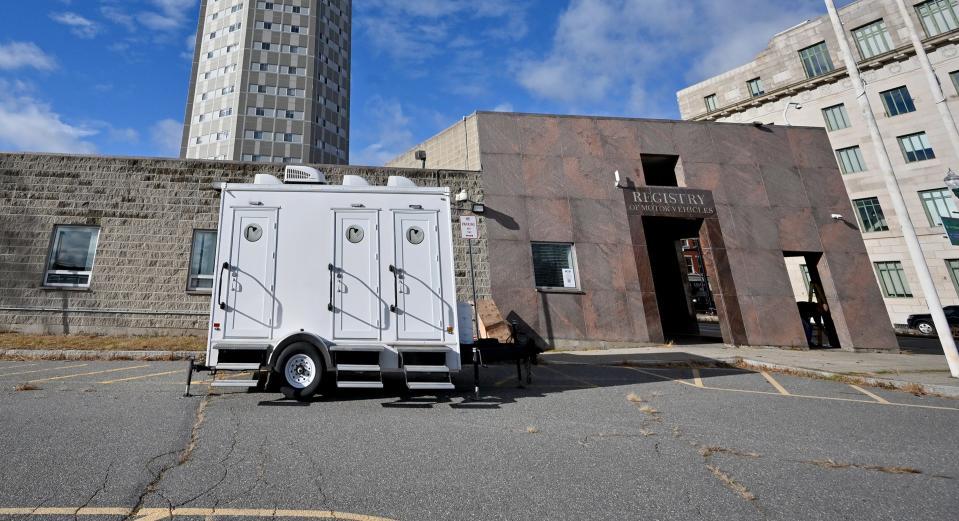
[(166, 136), (503, 107), (169, 14), (79, 26), (118, 16), (606, 50), (29, 125), (19, 55), (391, 133)]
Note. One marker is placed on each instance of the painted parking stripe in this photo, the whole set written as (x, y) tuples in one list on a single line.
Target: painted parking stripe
[(140, 377), (47, 369), (768, 393), (697, 378), (21, 366), (874, 396), (772, 381), (157, 514), (91, 373), (568, 377)]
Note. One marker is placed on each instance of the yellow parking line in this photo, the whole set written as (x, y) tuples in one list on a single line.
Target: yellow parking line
[(6, 367), (90, 373), (568, 377), (772, 381), (829, 398), (156, 514), (138, 377), (874, 396), (697, 378), (43, 370)]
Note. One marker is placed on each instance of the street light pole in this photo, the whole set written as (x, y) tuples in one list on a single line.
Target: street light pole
[(898, 202)]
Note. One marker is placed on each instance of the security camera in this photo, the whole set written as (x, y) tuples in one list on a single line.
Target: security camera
[(616, 175), (462, 196), (836, 217)]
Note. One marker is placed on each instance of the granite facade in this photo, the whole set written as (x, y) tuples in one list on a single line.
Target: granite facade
[(147, 210), (550, 178)]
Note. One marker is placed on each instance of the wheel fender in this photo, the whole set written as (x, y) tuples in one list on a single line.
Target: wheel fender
[(309, 338)]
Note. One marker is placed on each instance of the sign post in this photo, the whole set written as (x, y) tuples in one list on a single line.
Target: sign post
[(469, 230)]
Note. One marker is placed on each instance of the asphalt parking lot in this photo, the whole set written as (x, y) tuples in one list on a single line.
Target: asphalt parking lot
[(117, 440)]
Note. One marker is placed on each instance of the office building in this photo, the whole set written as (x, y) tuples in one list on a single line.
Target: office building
[(270, 82)]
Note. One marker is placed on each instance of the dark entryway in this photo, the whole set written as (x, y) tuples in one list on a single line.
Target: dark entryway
[(813, 306), (675, 292)]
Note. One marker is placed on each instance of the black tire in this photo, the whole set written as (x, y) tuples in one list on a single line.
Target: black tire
[(303, 377), (925, 327)]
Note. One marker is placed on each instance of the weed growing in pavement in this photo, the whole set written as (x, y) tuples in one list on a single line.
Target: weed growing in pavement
[(731, 483), (635, 398), (707, 451), (831, 464), (532, 430), (26, 387)]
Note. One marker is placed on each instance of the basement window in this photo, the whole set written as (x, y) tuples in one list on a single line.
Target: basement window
[(70, 263)]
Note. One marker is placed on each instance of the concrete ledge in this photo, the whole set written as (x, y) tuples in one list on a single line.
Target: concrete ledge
[(81, 354), (885, 383)]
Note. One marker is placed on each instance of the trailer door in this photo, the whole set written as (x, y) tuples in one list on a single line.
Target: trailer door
[(419, 314), (250, 299), (356, 277)]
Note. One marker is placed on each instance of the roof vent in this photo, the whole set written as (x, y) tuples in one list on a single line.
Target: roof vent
[(399, 181), (303, 174), (354, 180), (265, 179)]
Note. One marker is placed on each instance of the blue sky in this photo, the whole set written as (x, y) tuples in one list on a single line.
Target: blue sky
[(74, 73)]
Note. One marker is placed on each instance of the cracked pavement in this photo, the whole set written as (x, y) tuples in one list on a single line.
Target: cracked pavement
[(583, 442)]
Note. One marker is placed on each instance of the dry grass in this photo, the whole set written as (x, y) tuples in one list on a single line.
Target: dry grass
[(707, 451), (832, 464), (635, 398), (26, 387), (646, 432), (649, 410), (731, 483), (101, 343), (915, 389), (853, 379), (532, 430)]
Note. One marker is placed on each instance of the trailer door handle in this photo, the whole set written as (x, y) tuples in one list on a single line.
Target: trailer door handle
[(395, 273), (329, 306), (219, 285)]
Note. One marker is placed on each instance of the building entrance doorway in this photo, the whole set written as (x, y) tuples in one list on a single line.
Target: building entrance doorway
[(813, 305), (680, 279)]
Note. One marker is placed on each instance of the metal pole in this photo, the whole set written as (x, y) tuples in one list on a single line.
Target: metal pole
[(931, 77), (473, 287), (898, 203)]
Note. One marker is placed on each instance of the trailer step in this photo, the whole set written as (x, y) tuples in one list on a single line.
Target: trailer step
[(348, 384), (426, 368), (237, 367), (445, 386), (358, 368), (234, 383)]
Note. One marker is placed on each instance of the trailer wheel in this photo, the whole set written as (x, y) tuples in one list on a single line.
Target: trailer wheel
[(300, 371)]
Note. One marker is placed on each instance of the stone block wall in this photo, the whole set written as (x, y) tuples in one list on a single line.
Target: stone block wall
[(146, 209)]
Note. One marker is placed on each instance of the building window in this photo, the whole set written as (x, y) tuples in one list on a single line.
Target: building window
[(710, 102), (806, 279), (554, 265), (755, 87), (70, 263), (954, 76), (815, 60), (938, 204), (892, 279), (938, 16), (915, 147), (872, 39), (850, 160), (836, 117), (202, 259), (897, 101), (953, 266), (871, 218)]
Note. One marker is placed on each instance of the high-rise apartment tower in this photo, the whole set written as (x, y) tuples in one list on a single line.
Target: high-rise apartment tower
[(271, 82)]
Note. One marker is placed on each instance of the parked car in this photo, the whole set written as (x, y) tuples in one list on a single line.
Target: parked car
[(923, 322)]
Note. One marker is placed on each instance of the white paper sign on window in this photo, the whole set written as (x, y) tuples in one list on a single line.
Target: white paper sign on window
[(569, 279)]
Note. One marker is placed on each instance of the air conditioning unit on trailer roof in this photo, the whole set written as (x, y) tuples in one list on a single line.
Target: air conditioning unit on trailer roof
[(303, 174)]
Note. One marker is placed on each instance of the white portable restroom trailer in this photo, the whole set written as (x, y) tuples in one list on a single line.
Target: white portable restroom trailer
[(344, 282)]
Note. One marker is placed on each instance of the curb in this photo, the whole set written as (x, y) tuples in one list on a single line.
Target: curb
[(80, 354), (948, 391)]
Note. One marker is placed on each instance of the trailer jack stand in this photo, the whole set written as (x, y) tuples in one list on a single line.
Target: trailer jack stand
[(189, 378)]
